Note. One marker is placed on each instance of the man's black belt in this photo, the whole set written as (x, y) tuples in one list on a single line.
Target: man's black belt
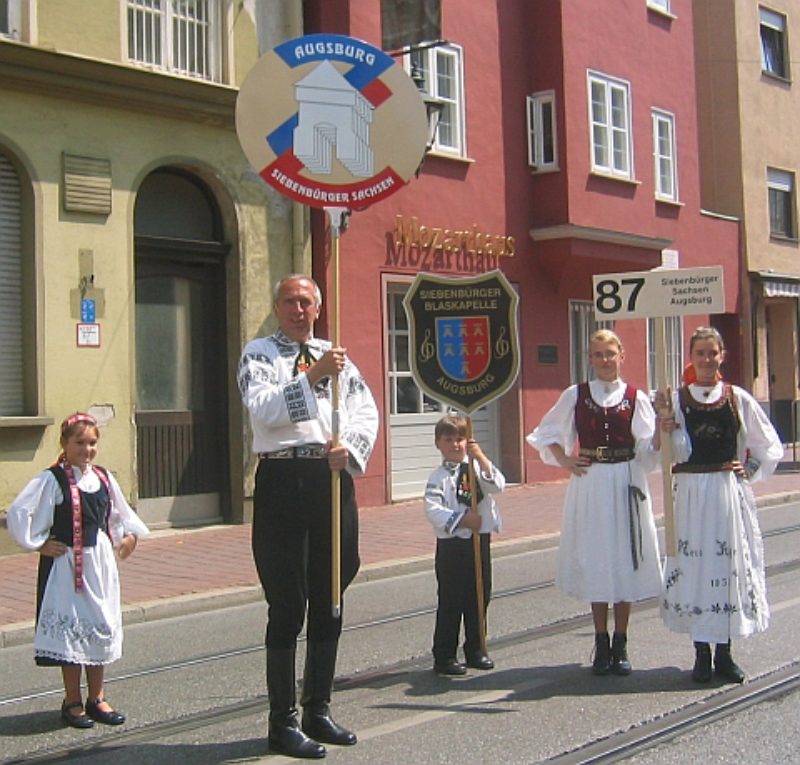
[(608, 454), (306, 452)]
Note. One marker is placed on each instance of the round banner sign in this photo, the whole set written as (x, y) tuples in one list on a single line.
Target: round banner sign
[(331, 121)]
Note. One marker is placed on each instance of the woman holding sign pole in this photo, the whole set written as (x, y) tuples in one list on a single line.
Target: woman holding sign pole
[(609, 550), (714, 587)]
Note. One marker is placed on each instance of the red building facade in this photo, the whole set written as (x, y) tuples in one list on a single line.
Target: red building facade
[(567, 148)]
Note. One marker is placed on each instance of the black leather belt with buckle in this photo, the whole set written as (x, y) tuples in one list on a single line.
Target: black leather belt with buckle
[(307, 452), (608, 454)]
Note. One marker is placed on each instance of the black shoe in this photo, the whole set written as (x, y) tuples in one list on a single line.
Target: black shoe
[(75, 721), (449, 667), (107, 718), (319, 725), (480, 661), (285, 737), (724, 665), (602, 654), (701, 672), (620, 665)]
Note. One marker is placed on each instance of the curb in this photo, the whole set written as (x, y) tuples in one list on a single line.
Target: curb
[(21, 633)]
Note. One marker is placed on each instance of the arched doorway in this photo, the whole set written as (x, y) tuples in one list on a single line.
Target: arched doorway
[(181, 359)]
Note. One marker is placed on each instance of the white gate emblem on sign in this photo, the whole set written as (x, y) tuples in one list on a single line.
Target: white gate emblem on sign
[(331, 112)]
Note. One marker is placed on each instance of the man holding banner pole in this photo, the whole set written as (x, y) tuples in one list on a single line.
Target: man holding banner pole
[(285, 381)]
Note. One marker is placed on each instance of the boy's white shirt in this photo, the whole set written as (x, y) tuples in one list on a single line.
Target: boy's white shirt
[(445, 512)]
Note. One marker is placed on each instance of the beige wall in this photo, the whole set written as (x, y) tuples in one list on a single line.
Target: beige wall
[(78, 378), (77, 26)]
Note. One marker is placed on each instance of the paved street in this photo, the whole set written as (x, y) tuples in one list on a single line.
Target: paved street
[(193, 685)]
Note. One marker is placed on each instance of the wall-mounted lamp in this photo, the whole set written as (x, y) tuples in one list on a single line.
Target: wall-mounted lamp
[(433, 106)]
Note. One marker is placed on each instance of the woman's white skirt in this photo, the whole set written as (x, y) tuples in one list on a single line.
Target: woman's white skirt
[(715, 587), (81, 627), (601, 533)]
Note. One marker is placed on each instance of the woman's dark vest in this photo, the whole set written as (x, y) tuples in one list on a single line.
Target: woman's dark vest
[(712, 428)]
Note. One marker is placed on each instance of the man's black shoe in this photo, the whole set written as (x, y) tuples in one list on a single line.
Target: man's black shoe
[(480, 661), (450, 667)]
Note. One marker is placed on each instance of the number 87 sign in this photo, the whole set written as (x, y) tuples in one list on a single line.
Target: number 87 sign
[(642, 294)]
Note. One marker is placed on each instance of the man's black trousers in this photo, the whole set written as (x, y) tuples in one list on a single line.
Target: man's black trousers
[(292, 547)]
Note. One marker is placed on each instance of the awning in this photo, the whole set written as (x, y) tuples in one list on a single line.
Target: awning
[(780, 285)]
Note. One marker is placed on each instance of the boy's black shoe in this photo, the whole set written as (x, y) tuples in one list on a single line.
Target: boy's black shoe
[(480, 661), (449, 667)]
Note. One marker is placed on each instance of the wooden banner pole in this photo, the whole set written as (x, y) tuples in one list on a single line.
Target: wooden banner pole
[(337, 217), (476, 547), (666, 438)]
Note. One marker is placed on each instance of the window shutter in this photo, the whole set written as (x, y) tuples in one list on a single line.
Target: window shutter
[(11, 368)]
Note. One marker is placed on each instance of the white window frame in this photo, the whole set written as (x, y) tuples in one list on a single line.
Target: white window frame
[(774, 23), (673, 340), (781, 186), (662, 6), (12, 21), (610, 132), (665, 156), (448, 87), (582, 323), (162, 40), (539, 123)]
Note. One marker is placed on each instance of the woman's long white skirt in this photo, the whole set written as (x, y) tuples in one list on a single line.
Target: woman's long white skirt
[(595, 558), (81, 627), (715, 587)]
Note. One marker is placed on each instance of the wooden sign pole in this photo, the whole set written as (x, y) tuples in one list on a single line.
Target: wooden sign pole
[(476, 547), (337, 218), (666, 438)]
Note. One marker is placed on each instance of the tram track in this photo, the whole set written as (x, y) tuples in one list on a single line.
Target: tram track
[(647, 735), (611, 749)]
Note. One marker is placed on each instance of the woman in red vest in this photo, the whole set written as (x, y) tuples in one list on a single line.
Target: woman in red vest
[(608, 553)]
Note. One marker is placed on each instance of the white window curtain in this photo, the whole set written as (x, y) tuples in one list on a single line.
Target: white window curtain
[(673, 340), (773, 46), (582, 323)]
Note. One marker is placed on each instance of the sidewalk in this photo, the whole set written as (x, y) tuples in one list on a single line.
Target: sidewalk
[(175, 572)]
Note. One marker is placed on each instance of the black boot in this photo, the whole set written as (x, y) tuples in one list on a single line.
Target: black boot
[(724, 665), (602, 654), (701, 672), (619, 655), (285, 735), (316, 699)]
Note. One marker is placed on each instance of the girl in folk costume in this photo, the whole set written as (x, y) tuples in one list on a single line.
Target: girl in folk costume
[(75, 515), (608, 551), (714, 588)]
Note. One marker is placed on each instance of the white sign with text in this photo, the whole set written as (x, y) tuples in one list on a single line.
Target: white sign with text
[(643, 294)]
